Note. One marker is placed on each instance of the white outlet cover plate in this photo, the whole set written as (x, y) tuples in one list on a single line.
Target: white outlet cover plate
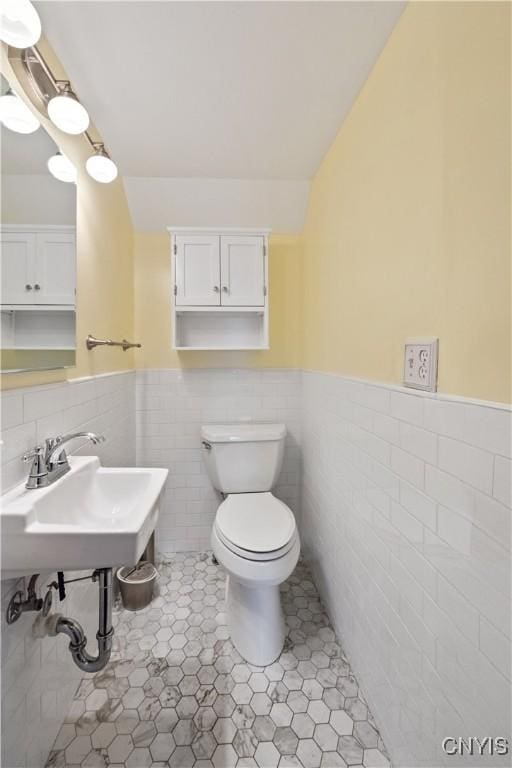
[(420, 363)]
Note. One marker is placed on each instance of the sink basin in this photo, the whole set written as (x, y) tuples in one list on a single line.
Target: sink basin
[(92, 517)]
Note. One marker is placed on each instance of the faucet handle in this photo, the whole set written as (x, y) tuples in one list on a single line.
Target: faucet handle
[(35, 453), (62, 458), (38, 475)]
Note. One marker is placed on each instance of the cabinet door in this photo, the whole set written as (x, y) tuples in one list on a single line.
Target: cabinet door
[(18, 261), (197, 270), (242, 271), (55, 274)]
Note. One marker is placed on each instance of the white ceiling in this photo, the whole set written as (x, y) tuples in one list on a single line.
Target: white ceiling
[(217, 90)]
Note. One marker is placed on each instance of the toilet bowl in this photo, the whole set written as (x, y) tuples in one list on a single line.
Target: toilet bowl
[(254, 535), (256, 540)]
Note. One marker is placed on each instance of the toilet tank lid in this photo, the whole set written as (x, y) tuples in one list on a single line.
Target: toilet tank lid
[(242, 433)]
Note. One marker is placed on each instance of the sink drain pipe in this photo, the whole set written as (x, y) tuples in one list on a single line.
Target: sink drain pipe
[(59, 624)]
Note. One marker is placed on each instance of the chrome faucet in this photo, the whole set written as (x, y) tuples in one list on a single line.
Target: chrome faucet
[(49, 462)]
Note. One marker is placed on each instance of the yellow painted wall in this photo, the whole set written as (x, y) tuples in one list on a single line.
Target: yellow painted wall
[(153, 309), (407, 233), (104, 262), (408, 229)]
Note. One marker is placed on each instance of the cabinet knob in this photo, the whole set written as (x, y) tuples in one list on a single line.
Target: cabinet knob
[(37, 287), (216, 288), (225, 289), (28, 287)]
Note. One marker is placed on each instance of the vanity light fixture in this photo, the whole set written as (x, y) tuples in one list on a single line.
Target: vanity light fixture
[(15, 114), (99, 166), (66, 112), (57, 98), (20, 25), (62, 168)]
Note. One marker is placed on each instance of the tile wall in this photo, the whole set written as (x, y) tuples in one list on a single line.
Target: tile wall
[(171, 407), (406, 522), (39, 678)]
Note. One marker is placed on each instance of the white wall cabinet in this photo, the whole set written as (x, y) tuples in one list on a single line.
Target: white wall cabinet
[(220, 288), (197, 263), (242, 271), (18, 264), (55, 271), (38, 265)]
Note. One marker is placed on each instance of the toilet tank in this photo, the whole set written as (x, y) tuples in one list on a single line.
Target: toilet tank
[(243, 458)]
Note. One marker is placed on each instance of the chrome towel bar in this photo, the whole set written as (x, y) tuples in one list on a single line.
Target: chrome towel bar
[(92, 342)]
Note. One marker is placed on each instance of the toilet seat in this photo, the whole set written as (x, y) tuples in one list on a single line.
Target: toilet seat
[(256, 526), (256, 556)]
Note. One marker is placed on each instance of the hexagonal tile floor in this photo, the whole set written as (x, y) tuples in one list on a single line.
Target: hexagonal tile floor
[(176, 692)]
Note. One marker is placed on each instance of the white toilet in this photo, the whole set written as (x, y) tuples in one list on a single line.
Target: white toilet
[(254, 535)]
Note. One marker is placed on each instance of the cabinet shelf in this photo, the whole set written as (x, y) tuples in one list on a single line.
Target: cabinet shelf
[(37, 308), (35, 348), (38, 328), (220, 349), (252, 310), (219, 330)]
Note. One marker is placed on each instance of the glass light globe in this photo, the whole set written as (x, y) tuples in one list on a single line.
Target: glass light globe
[(15, 114), (101, 168), (20, 25), (62, 168), (66, 112)]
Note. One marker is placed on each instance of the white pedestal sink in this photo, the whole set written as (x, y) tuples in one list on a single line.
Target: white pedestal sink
[(92, 517)]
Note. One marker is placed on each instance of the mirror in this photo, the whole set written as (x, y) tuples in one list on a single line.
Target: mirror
[(38, 255)]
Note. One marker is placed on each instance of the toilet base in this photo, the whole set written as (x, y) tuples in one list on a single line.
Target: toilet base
[(255, 621)]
